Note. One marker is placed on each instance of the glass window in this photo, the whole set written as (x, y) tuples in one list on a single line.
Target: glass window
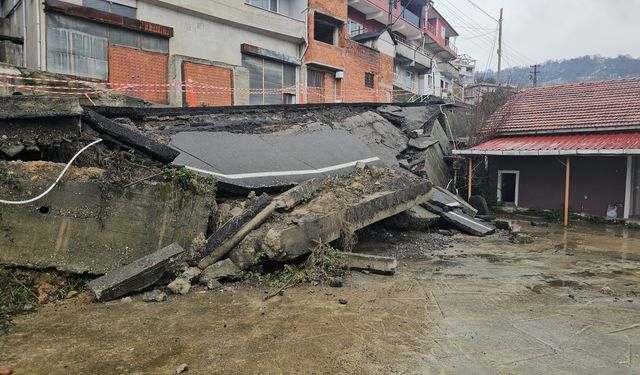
[(369, 79), (155, 43), (315, 79), (271, 5), (271, 82), (355, 28)]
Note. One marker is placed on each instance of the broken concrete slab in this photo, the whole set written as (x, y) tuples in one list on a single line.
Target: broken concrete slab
[(244, 162), (234, 230), (366, 262), (383, 138), (447, 200), (88, 225), (416, 218), (287, 241), (393, 113), (291, 198), (468, 224), (39, 106), (435, 167), (422, 143), (129, 137), (135, 276)]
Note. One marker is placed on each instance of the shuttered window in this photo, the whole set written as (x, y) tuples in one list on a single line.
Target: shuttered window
[(271, 82)]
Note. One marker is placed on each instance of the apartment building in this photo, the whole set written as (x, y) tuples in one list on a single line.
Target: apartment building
[(228, 52), (237, 52)]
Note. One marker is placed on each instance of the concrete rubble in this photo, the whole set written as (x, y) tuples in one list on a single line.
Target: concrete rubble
[(313, 176)]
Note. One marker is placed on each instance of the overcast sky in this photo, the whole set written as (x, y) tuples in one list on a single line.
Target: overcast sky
[(539, 30)]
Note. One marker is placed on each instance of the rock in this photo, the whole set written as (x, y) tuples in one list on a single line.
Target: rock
[(213, 285), (606, 290), (343, 301), (415, 133), (11, 149), (155, 295), (521, 238), (72, 294), (182, 368), (222, 270), (180, 286), (6, 371), (404, 163), (126, 300), (503, 224), (191, 273), (392, 113), (361, 165), (236, 211), (336, 282), (516, 228)]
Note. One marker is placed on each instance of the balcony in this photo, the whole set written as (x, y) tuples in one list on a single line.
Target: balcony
[(440, 45), (405, 82), (408, 22), (413, 56)]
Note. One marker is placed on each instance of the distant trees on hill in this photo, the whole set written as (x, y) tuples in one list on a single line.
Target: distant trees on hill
[(580, 69)]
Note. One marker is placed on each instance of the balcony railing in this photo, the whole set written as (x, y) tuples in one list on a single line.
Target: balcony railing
[(415, 48), (404, 82), (410, 17)]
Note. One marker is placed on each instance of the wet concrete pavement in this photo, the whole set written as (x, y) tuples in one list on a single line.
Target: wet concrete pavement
[(482, 306)]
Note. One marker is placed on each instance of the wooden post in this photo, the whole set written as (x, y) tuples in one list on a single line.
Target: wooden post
[(470, 179), (566, 192)]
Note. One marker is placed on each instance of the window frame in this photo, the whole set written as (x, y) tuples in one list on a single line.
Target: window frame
[(372, 81), (270, 2)]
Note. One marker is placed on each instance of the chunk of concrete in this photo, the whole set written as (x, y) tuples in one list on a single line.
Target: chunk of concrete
[(179, 286), (298, 194), (135, 276), (86, 225), (468, 224), (287, 241), (39, 106), (367, 262), (449, 201), (422, 143), (223, 270)]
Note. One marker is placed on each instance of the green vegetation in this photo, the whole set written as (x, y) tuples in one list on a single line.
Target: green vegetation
[(194, 182), (16, 291)]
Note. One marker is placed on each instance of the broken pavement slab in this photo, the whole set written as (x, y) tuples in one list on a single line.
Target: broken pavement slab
[(416, 218), (366, 262), (447, 200), (129, 137), (468, 224), (135, 276), (422, 143), (39, 106), (292, 197), (243, 162)]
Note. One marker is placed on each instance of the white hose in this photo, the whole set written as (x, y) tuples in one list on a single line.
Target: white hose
[(58, 180)]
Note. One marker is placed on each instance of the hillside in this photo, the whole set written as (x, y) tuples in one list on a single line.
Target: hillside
[(586, 68)]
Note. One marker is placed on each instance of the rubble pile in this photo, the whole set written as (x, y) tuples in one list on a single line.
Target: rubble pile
[(206, 194)]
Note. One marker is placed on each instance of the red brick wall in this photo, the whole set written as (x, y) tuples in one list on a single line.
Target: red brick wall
[(130, 65), (209, 75), (335, 8), (361, 18), (355, 60)]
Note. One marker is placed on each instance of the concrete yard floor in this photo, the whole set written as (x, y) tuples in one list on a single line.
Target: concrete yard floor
[(482, 306)]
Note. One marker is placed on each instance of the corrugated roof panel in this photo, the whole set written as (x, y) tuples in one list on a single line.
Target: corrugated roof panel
[(601, 142)]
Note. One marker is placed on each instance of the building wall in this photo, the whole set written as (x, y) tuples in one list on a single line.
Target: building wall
[(596, 182), (361, 18), (351, 57), (130, 65), (216, 77)]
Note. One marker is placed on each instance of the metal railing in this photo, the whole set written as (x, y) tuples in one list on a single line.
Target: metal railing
[(415, 48), (410, 17)]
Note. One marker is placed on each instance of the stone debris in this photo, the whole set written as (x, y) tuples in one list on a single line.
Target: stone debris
[(179, 286), (222, 270), (155, 295), (182, 368)]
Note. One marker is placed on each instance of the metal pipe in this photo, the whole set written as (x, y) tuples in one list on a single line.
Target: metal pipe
[(566, 191)]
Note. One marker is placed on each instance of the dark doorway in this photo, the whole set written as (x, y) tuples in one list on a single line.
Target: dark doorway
[(508, 187)]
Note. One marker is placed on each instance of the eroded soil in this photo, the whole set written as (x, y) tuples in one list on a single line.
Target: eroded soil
[(567, 304)]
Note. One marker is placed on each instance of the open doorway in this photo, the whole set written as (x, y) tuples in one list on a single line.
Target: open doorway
[(508, 186)]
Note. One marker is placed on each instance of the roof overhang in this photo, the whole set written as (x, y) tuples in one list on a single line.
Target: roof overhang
[(553, 145)]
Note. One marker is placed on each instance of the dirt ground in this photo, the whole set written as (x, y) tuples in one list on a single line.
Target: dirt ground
[(567, 304)]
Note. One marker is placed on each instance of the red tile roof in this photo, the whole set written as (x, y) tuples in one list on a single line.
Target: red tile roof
[(578, 107), (608, 143)]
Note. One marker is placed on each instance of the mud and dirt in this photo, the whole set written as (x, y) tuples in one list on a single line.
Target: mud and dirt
[(569, 303)]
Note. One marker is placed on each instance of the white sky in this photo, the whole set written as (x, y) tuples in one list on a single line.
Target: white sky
[(539, 30)]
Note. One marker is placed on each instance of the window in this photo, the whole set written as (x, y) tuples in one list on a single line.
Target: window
[(315, 79), (111, 7), (325, 29), (271, 5), (508, 186), (355, 28), (271, 82), (369, 80)]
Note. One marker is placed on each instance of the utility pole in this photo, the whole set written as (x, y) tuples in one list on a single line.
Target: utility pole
[(499, 48), (534, 74)]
